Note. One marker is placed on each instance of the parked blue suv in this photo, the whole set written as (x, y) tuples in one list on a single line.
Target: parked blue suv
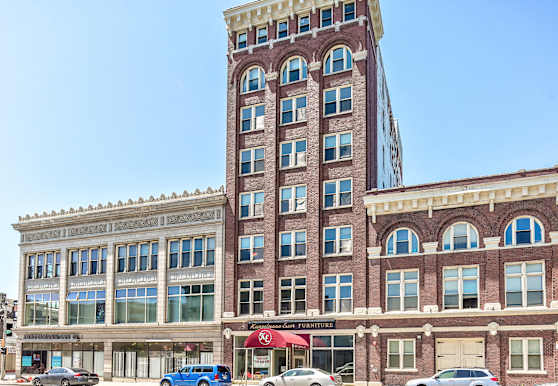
[(199, 375)]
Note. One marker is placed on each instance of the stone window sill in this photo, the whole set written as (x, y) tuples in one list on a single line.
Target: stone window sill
[(526, 372)]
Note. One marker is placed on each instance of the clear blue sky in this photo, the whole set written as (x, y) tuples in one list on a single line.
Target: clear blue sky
[(106, 100)]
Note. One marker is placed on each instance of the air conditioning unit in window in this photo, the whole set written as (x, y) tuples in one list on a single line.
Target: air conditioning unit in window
[(301, 159), (260, 121), (258, 209)]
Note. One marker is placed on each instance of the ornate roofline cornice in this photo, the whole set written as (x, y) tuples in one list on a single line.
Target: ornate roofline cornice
[(141, 206), (462, 193), (260, 12)]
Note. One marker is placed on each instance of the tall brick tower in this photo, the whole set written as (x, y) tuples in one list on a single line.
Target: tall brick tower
[(309, 131)]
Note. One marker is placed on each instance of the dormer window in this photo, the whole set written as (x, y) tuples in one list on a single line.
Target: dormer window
[(402, 241), (524, 230)]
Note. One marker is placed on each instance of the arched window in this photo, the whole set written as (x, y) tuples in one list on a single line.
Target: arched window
[(461, 235), (338, 59), (402, 242), (293, 70), (524, 230), (253, 79)]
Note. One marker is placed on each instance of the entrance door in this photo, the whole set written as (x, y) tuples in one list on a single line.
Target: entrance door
[(451, 353), (299, 359)]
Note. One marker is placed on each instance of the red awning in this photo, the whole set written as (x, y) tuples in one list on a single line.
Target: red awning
[(268, 338)]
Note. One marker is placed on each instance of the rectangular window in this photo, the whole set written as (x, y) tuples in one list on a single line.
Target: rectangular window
[(326, 17), (401, 354), (94, 261), (84, 259), (191, 252), (40, 265), (526, 354), (338, 147), (41, 309), (292, 295), (251, 204), (136, 305), (250, 299), (338, 293), (57, 264), (461, 288), (402, 290), (293, 245), (154, 255), (191, 303), (133, 257), (262, 35), (338, 241), (303, 23), (84, 262), (31, 266), (242, 40), (49, 264), (252, 118), (293, 199), (86, 307), (338, 100), (74, 261), (251, 248), (293, 110), (524, 284), (334, 354), (293, 154), (338, 193), (348, 11), (282, 29), (252, 161)]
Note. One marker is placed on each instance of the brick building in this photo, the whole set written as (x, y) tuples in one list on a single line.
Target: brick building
[(310, 130), (464, 273)]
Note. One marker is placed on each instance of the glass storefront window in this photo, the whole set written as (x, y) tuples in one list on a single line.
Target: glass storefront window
[(190, 303), (334, 354), (136, 305), (38, 358), (86, 307), (41, 309)]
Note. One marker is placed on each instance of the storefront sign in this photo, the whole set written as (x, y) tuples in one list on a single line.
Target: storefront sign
[(56, 361), (51, 337), (26, 361), (293, 325), (262, 361)]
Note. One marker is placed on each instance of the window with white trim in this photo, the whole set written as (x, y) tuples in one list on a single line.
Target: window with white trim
[(293, 70), (326, 17), (90, 261), (461, 235), (241, 40), (128, 259), (253, 79), (251, 248), (293, 199), (46, 265), (338, 193), (338, 100), (192, 252), (252, 118), (402, 241), (524, 230), (338, 240), (461, 288), (402, 290), (262, 35), (251, 204), (252, 161), (338, 293), (293, 245), (401, 354), (293, 110), (282, 28), (525, 284), (292, 295), (526, 354), (348, 11), (303, 23), (251, 297), (338, 59), (338, 147), (293, 154)]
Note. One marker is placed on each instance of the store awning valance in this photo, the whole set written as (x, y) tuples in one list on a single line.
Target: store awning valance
[(268, 338)]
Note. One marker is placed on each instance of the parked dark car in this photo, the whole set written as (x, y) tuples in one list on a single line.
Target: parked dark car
[(199, 375), (65, 376)]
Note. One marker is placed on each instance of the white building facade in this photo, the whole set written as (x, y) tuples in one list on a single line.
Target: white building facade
[(127, 290)]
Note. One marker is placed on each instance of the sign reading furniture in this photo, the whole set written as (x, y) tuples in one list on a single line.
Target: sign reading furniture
[(293, 325)]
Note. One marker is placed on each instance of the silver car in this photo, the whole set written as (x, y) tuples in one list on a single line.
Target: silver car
[(303, 377), (65, 376), (458, 377)]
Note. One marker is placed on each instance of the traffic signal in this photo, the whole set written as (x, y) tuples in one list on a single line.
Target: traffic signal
[(9, 327)]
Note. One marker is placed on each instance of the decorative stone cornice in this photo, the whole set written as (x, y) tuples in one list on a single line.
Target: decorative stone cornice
[(462, 193), (260, 12), (137, 214)]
